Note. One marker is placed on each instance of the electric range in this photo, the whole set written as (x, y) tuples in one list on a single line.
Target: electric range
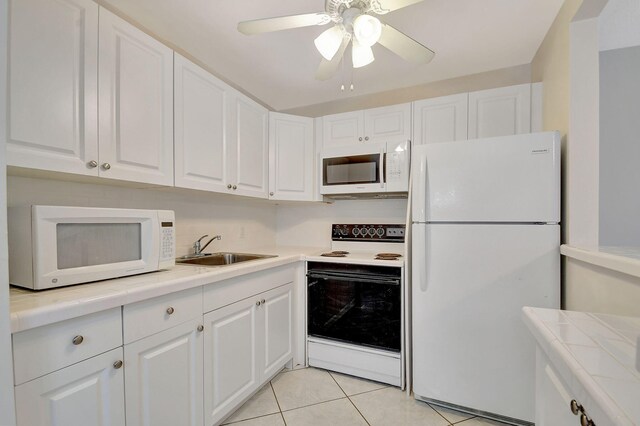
[(355, 303)]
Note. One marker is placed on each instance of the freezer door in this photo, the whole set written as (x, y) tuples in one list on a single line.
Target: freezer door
[(506, 179), (470, 282)]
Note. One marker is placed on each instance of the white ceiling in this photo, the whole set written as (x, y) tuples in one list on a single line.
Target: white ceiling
[(468, 36)]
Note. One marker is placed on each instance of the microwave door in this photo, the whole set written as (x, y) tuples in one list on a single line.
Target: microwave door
[(359, 172)]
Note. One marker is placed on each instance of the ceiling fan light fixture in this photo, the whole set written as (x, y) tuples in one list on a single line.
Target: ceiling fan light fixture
[(367, 29), (329, 41), (361, 55)]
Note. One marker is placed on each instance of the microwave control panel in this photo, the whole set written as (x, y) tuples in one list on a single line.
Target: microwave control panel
[(167, 238)]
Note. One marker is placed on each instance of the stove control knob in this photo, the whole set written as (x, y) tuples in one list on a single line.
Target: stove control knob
[(372, 231), (380, 232), (355, 232), (344, 232)]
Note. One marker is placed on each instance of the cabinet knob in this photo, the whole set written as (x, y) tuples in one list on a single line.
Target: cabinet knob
[(360, 138), (575, 407), (170, 310), (366, 138), (586, 421), (262, 302), (229, 186), (92, 164), (200, 327), (258, 303), (117, 364), (77, 340), (106, 166), (271, 193), (235, 187)]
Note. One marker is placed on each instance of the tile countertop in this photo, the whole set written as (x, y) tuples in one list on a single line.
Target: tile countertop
[(30, 309), (599, 351)]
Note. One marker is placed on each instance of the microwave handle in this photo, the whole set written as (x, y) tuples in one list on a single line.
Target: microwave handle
[(383, 159)]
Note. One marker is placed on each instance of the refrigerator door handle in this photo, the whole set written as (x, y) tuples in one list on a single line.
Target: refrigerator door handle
[(419, 193), (420, 267)]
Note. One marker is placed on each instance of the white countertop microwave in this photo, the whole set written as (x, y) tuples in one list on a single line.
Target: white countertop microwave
[(53, 246), (367, 168)]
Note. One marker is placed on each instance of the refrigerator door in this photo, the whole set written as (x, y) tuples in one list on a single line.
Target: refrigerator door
[(506, 179), (470, 282)]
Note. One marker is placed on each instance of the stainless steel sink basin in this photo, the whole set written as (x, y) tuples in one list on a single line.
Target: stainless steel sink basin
[(221, 259)]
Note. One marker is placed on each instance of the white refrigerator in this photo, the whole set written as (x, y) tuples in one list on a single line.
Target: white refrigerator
[(485, 243)]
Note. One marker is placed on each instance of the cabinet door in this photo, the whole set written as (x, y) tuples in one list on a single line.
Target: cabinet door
[(291, 155), (276, 330), (230, 352), (392, 123), (164, 378), (500, 112), (343, 129), (52, 110), (136, 104), (248, 153), (200, 128), (441, 119), (553, 397), (88, 393)]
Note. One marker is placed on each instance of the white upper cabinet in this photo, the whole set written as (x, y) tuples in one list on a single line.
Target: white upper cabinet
[(392, 123), (372, 125), (247, 158), (441, 119), (500, 112), (200, 128), (291, 154), (136, 104), (343, 129), (52, 109)]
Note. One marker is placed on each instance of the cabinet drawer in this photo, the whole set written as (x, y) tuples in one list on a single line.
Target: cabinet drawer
[(41, 350), (232, 290), (152, 316)]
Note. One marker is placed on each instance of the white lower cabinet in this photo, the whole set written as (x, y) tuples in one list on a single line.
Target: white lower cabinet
[(245, 344), (90, 392), (163, 377)]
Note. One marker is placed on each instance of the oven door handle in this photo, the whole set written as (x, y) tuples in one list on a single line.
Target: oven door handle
[(357, 279)]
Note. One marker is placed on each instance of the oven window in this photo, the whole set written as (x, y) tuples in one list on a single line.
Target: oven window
[(90, 244), (357, 169), (355, 310)]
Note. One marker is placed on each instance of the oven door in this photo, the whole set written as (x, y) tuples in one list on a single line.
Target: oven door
[(349, 170), (363, 309)]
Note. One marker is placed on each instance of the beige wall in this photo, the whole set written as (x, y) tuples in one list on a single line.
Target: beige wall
[(487, 80)]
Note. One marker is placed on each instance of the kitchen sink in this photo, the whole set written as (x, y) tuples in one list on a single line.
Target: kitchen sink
[(220, 259)]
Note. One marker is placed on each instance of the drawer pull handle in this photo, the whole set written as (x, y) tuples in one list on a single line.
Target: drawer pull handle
[(77, 340), (200, 327), (117, 364), (170, 310), (575, 407)]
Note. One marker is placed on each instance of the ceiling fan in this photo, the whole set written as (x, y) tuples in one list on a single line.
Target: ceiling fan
[(353, 21)]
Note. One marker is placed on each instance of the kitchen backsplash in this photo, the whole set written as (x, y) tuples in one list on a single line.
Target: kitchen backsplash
[(244, 223)]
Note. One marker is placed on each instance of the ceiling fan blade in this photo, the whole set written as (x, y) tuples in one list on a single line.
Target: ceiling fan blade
[(266, 25), (386, 6), (327, 69), (404, 46)]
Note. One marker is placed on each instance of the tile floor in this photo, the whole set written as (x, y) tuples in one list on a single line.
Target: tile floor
[(310, 396)]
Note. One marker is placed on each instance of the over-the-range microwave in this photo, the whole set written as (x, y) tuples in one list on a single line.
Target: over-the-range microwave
[(375, 168), (53, 246)]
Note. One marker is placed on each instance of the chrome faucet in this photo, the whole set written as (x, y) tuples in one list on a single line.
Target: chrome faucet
[(198, 249)]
